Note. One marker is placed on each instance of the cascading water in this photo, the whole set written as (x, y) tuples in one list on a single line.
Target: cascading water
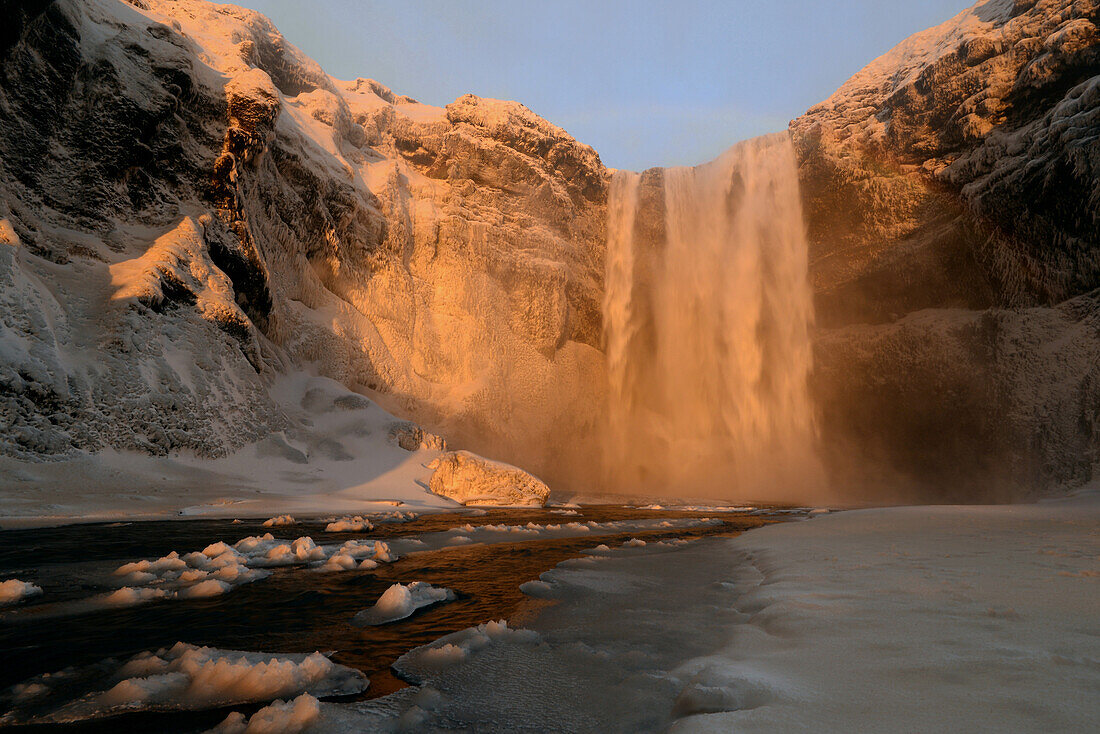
[(707, 315)]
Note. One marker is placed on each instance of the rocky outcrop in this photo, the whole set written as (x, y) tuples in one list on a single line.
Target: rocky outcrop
[(952, 190), (473, 480)]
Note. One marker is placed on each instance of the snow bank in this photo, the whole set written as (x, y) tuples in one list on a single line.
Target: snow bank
[(186, 677), (13, 591), (474, 480), (930, 618), (400, 601), (280, 717)]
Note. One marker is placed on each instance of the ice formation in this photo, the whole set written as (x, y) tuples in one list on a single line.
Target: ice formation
[(279, 717), (349, 524), (186, 677), (220, 567), (279, 521), (400, 601), (13, 591)]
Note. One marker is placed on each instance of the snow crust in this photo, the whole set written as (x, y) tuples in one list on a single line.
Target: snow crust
[(400, 601), (978, 618), (186, 677), (419, 664)]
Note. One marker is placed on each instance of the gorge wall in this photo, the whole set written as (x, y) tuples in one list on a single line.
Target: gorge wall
[(952, 190), (191, 207)]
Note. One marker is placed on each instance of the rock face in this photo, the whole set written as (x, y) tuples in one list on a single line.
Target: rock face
[(473, 480), (190, 206), (952, 191), (191, 209)]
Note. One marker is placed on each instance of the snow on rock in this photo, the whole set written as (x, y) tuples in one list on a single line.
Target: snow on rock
[(186, 677), (473, 480), (349, 524), (215, 570), (950, 193), (220, 567), (412, 437), (279, 521), (874, 620), (400, 601), (244, 216), (279, 717), (13, 591), (356, 554)]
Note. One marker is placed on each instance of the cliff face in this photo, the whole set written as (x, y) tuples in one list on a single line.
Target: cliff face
[(952, 190), (190, 206), (190, 209)]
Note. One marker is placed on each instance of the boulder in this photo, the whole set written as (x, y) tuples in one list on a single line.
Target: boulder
[(474, 480)]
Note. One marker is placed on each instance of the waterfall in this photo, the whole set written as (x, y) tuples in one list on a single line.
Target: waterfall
[(707, 316)]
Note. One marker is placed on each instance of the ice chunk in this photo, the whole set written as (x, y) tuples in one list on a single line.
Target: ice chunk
[(279, 717), (356, 524), (186, 677), (13, 591), (279, 521), (400, 601), (421, 662)]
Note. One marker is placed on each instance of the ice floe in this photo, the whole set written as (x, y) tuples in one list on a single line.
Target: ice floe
[(400, 601), (353, 524), (420, 663), (221, 567), (279, 521), (279, 717), (184, 677), (14, 591)]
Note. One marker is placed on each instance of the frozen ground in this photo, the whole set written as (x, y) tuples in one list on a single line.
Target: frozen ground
[(948, 618), (343, 461), (954, 618)]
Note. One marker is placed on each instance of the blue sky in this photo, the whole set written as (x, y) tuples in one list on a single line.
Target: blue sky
[(645, 83)]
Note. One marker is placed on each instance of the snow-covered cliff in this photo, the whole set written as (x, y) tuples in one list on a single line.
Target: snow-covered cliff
[(952, 190), (204, 239), (191, 208)]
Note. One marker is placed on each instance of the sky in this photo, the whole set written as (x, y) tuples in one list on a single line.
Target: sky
[(645, 83)]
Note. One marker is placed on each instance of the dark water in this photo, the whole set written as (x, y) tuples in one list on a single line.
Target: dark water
[(294, 610)]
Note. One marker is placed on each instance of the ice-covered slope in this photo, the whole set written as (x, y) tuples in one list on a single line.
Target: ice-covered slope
[(190, 209), (952, 190)]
